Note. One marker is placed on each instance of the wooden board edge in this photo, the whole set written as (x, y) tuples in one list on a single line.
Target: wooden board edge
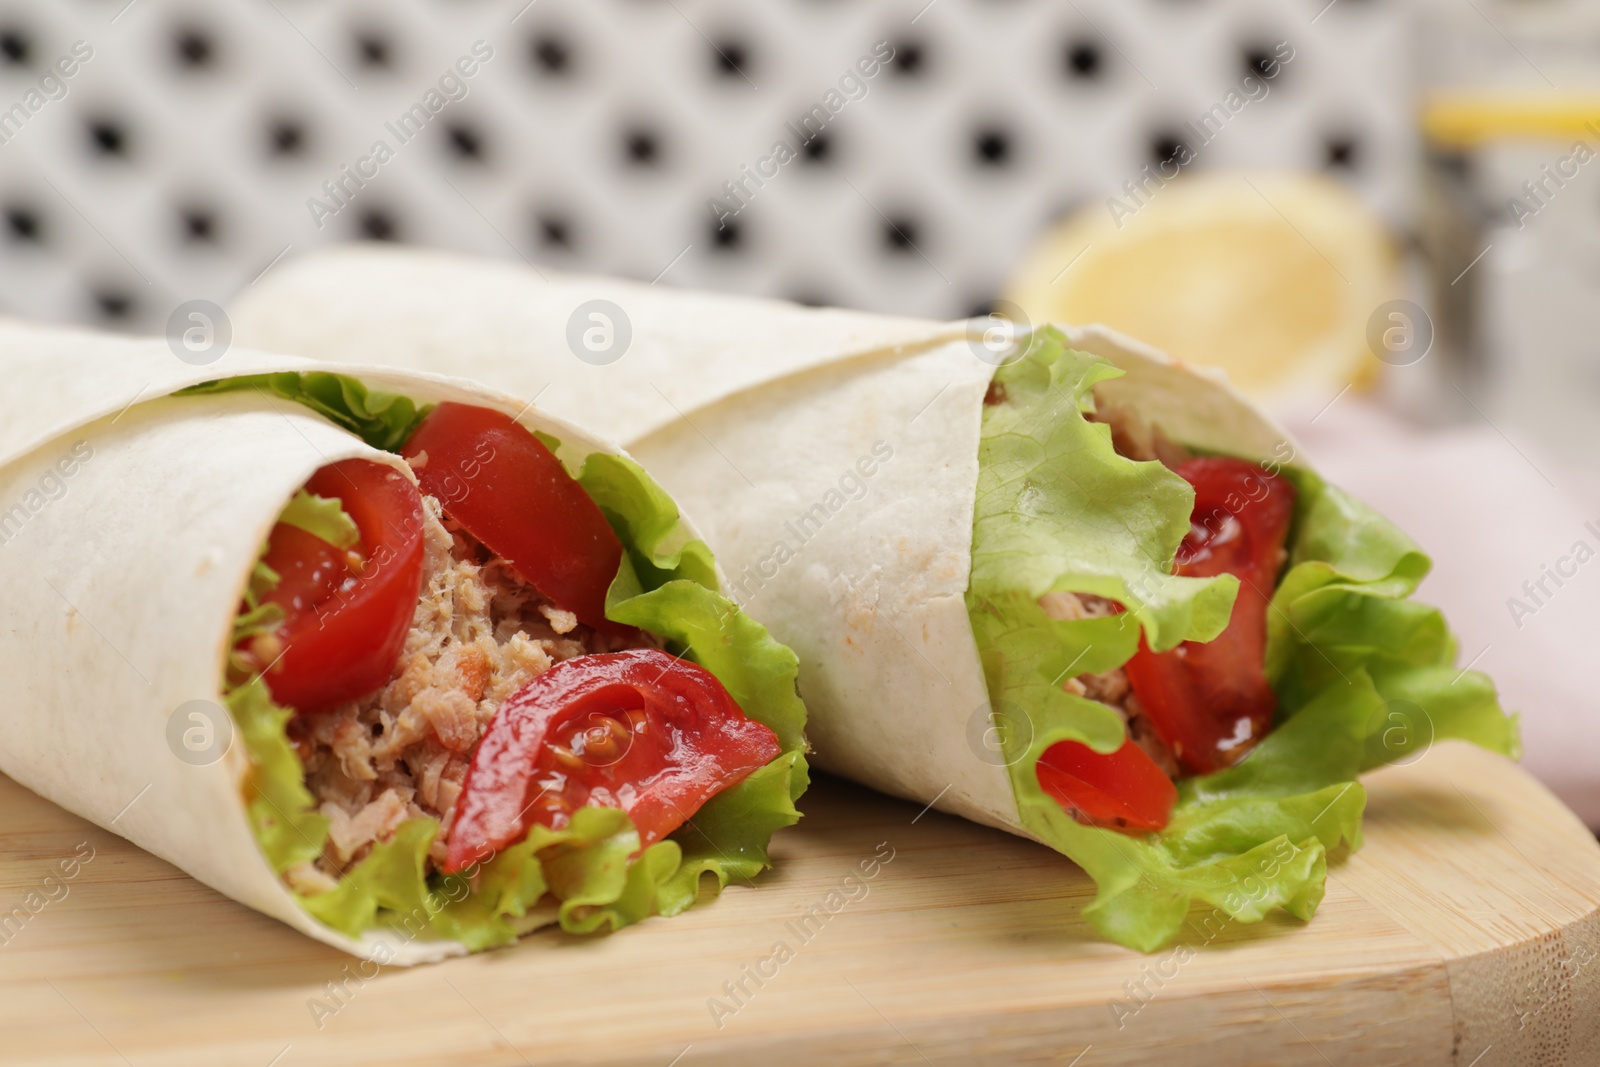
[(1532, 1004)]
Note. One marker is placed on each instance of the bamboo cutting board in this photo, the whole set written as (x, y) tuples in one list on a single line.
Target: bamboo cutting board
[(1466, 932)]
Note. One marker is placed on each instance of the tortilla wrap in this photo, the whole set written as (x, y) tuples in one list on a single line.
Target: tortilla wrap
[(131, 519), (750, 411), (835, 459)]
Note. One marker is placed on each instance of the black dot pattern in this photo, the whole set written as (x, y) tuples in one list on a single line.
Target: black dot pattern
[(373, 49), (108, 137), (910, 59), (1169, 151), (193, 48), (551, 55), (727, 235), (730, 58), (1260, 61), (641, 147), (16, 46), (198, 225), (23, 224), (991, 147), (819, 150), (1341, 152), (901, 234), (378, 224), (113, 304), (466, 142), (900, 160), (1082, 60), (286, 137), (555, 232)]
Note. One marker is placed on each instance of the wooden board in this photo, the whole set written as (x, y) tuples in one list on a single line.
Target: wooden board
[(1466, 932)]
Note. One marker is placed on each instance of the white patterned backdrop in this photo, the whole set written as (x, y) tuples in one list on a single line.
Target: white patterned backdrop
[(177, 160)]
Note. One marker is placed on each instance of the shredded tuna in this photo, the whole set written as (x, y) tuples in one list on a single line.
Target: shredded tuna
[(479, 634), (1069, 607), (308, 879), (377, 820)]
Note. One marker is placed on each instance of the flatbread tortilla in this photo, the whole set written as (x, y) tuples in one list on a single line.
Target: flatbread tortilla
[(762, 417), (129, 523)]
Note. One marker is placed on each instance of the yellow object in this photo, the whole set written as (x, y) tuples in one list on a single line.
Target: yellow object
[(1467, 120), (1271, 276)]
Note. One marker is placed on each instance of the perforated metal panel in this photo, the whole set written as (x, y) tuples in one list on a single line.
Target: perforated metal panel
[(180, 156)]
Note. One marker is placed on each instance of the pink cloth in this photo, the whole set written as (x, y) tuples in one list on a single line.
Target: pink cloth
[(1492, 520)]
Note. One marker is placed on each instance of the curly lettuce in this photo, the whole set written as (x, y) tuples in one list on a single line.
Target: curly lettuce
[(590, 875), (1363, 675), (383, 420), (321, 516)]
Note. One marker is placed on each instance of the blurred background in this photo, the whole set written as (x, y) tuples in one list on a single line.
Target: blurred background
[(1381, 216)]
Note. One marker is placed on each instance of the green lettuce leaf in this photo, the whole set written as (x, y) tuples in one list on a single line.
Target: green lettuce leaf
[(587, 867), (287, 827), (1341, 611), (667, 584), (260, 619), (1363, 675), (322, 517), (382, 420), (1058, 510)]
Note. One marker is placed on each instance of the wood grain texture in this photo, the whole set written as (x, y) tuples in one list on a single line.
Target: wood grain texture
[(1465, 932)]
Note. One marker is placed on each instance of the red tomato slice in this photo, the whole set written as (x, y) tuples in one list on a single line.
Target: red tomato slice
[(309, 569), (640, 730), (1121, 790), (1211, 701), (509, 491), (346, 619)]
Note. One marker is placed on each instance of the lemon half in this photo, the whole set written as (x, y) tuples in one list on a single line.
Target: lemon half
[(1270, 276)]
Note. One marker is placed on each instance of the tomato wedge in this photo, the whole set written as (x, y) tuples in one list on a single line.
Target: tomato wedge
[(500, 482), (639, 730), (1210, 702), (347, 613), (1121, 790), (309, 569)]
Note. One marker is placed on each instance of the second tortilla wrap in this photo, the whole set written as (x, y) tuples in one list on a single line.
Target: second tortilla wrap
[(838, 460)]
